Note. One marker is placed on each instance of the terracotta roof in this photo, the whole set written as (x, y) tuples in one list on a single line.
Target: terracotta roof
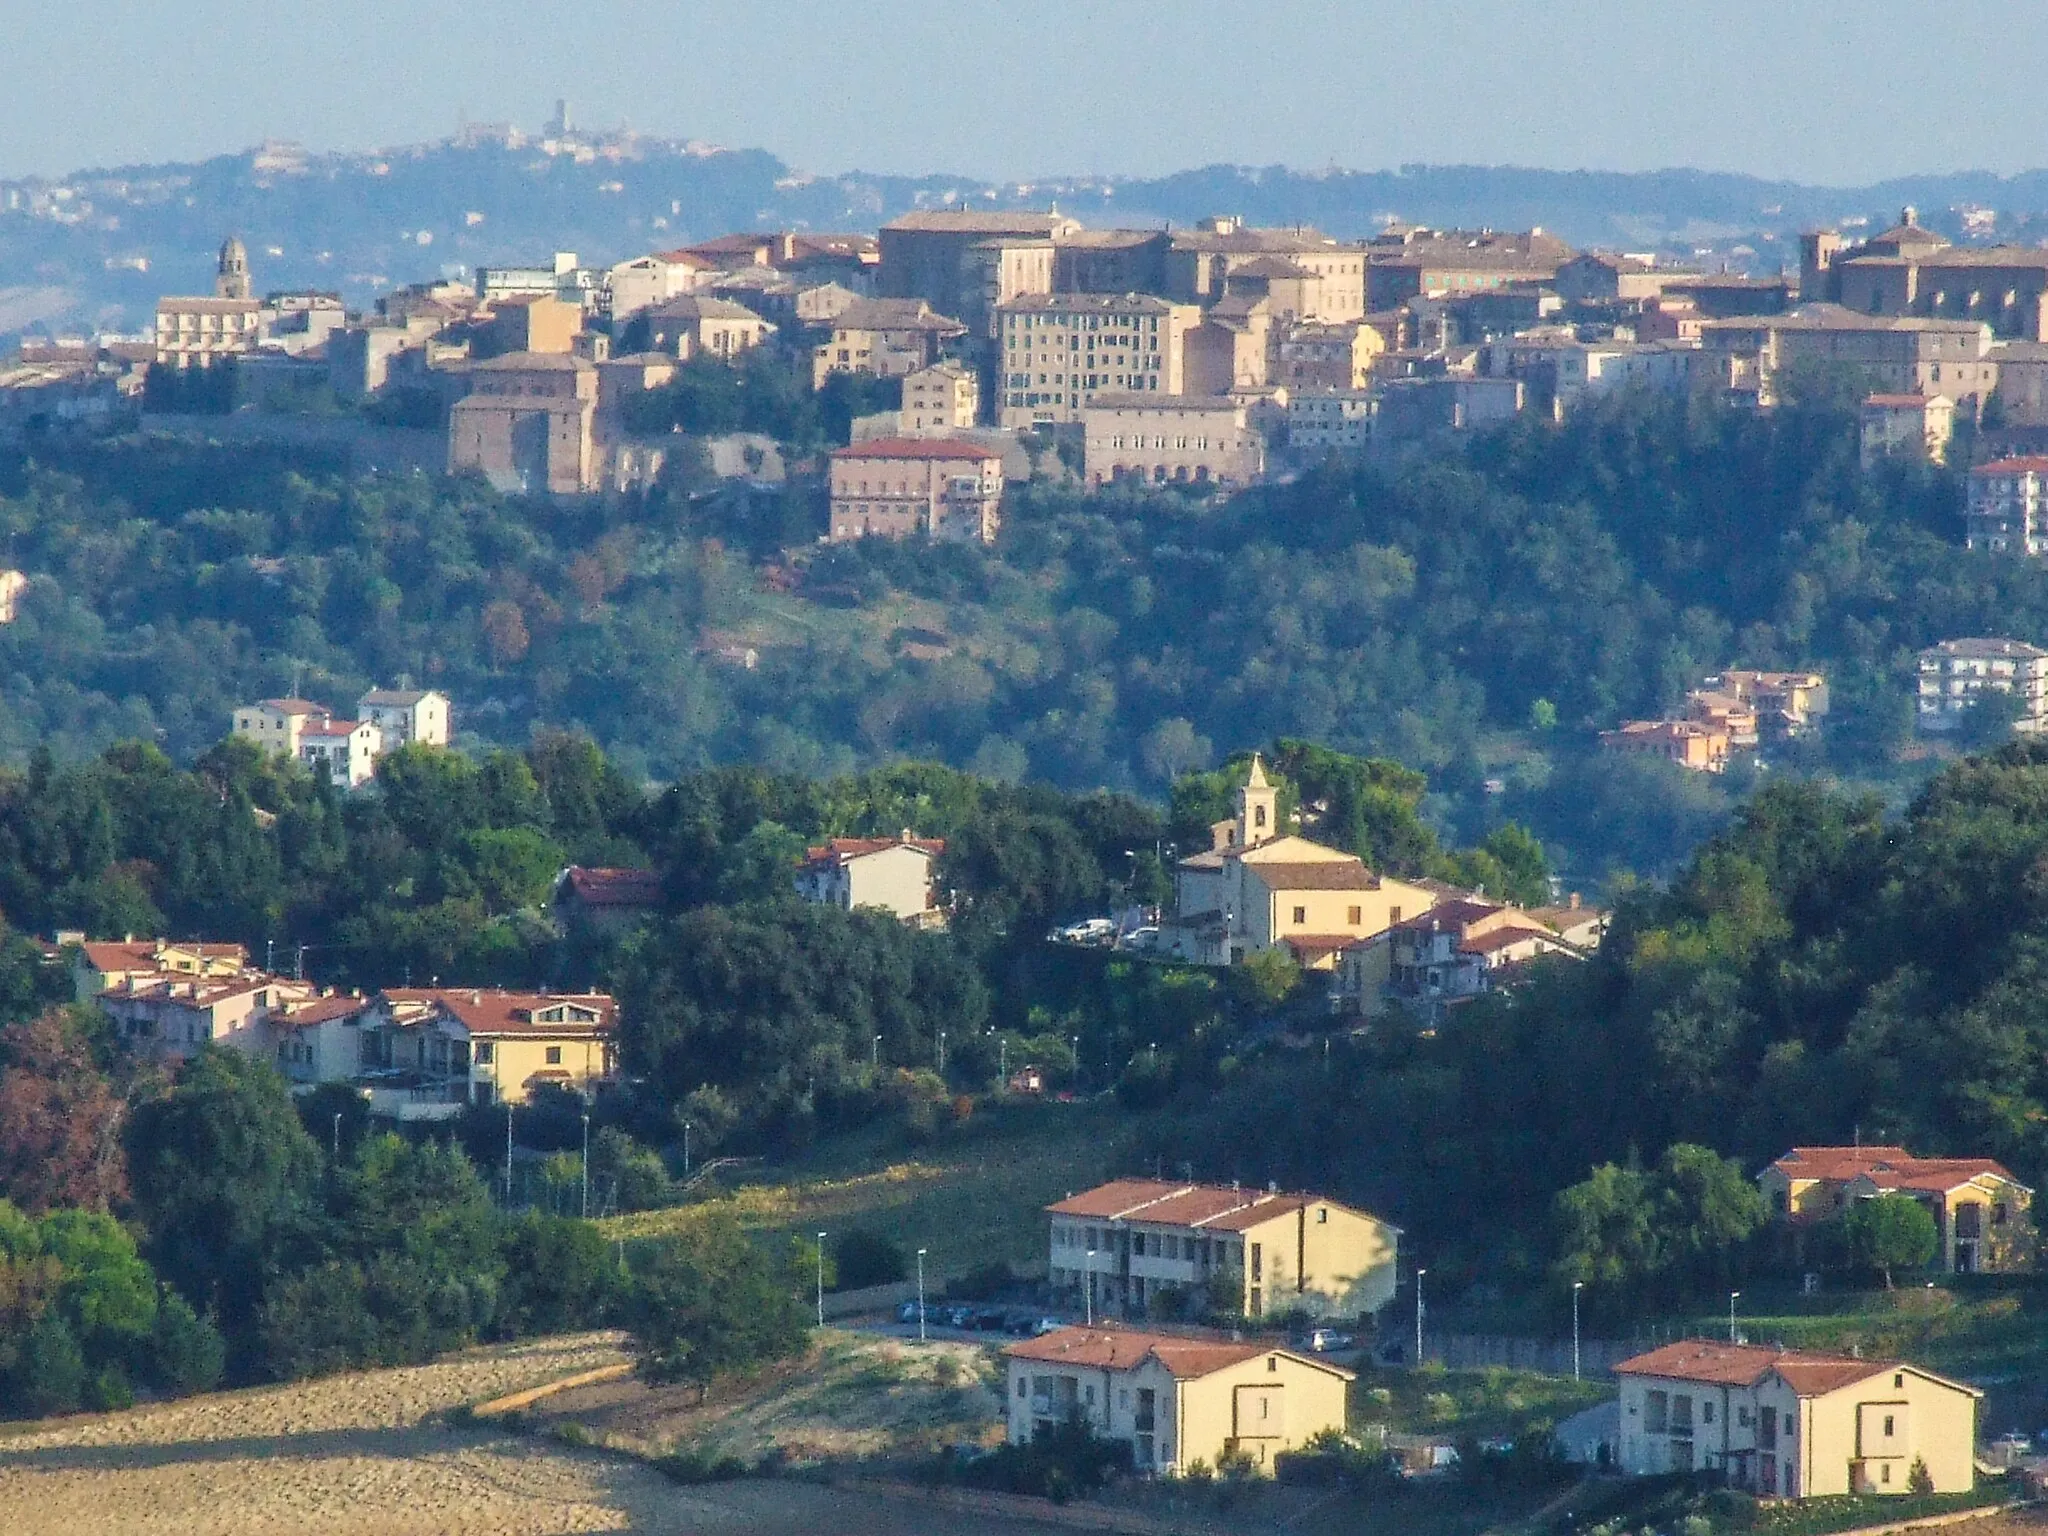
[(1162, 1202), (296, 707), (1980, 648), (1835, 1162), (534, 362), (1118, 1349), (1452, 912), (1936, 1175), (895, 315), (916, 448), (1330, 875), (1506, 937), (2022, 464), (695, 306), (840, 849), (1743, 1365), (342, 728), (142, 954), (613, 887), (507, 1013), (319, 1010)]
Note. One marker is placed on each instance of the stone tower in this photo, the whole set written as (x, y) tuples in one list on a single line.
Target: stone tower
[(1258, 808), (231, 280)]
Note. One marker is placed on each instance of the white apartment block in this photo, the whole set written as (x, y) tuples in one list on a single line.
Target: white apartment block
[(1329, 420), (2007, 512), (1955, 673)]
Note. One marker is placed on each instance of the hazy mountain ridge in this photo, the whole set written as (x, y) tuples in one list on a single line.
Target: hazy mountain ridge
[(99, 246)]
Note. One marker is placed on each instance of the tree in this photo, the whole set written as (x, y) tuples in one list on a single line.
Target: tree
[(866, 1258), (1890, 1232), (707, 1301), (1607, 1233), (59, 1120)]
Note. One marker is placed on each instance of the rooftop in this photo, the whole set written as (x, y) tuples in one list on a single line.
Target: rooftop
[(980, 221), (483, 1012), (1808, 1373), (840, 849), (1117, 1349), (1163, 1202), (2023, 464), (1985, 650), (613, 887)]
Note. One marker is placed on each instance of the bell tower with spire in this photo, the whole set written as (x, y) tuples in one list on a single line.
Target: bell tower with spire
[(1258, 808), (231, 277)]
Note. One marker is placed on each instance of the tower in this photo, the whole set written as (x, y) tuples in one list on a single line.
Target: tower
[(1818, 249), (231, 279), (1258, 808)]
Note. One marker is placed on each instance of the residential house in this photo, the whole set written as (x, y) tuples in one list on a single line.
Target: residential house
[(1257, 888), (809, 257), (528, 423), (605, 900), (1175, 1401), (1169, 440), (894, 487), (1141, 1246), (1315, 356), (407, 715), (886, 874), (637, 285), (697, 325), (1906, 426), (317, 1038), (99, 964), (1690, 744), (346, 751), (1956, 673), (1792, 1423), (1460, 949), (1601, 277), (1329, 420), (1405, 263), (1980, 1210), (942, 399), (888, 338), (1732, 716), (168, 1018), (1784, 703), (427, 1052), (2007, 509), (1058, 352), (1306, 274)]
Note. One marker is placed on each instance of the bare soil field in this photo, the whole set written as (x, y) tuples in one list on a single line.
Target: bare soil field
[(367, 1454)]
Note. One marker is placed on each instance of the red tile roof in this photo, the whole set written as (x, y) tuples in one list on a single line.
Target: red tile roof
[(1888, 1167), (1314, 875), (1162, 1202), (143, 954), (2025, 464), (1118, 1349), (840, 849), (319, 1010), (916, 448), (614, 887), (1808, 1372), (509, 1013)]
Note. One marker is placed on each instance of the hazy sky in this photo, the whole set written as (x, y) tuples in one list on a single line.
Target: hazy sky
[(1816, 90)]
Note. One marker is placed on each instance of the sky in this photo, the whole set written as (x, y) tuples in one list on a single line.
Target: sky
[(1809, 90)]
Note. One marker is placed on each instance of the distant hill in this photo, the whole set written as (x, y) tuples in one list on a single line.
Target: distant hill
[(98, 247)]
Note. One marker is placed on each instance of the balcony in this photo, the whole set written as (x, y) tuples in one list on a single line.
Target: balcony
[(410, 1097)]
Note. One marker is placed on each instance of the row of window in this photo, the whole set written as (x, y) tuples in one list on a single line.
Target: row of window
[(1157, 1245), (1070, 321)]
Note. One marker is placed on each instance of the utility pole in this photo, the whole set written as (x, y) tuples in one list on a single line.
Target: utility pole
[(920, 1295), (1418, 1317), (1577, 1286), (821, 1279), (1733, 1297), (586, 1166)]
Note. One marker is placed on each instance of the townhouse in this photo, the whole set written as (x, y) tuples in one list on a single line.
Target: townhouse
[(893, 487), (1462, 948), (428, 1052), (1981, 1212)]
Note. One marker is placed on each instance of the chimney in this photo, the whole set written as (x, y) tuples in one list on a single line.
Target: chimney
[(475, 999), (1575, 901)]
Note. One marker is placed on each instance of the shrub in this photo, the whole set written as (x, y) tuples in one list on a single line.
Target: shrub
[(187, 1353), (50, 1374), (1918, 1478), (982, 1282), (1057, 1465), (867, 1258)]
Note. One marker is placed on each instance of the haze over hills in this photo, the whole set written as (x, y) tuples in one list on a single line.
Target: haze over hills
[(95, 249)]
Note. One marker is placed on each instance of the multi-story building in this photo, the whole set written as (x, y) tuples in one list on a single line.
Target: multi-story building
[(197, 332), (887, 874), (346, 751), (1906, 426), (427, 1052), (1461, 948), (1782, 703), (998, 271), (530, 322), (1406, 263), (1329, 420), (1888, 355), (527, 424), (1692, 744), (1956, 673), (698, 325), (1304, 273), (1793, 1423), (1117, 1248), (407, 715), (168, 1018), (99, 964), (885, 337), (645, 281), (946, 397), (929, 253), (1111, 261), (1980, 1211), (1169, 440), (278, 725), (1176, 1401), (2007, 510), (1059, 351), (1410, 409), (1312, 355), (893, 487), (1601, 277), (1911, 270)]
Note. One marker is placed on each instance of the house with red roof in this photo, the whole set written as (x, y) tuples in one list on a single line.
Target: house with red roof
[(1460, 949), (1140, 1247), (895, 487), (886, 874), (1173, 1399), (605, 900), (428, 1051), (1794, 1423), (1980, 1210)]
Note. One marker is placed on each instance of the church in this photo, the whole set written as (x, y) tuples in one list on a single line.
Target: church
[(1258, 887)]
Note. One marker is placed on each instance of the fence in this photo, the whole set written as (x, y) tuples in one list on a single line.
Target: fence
[(1551, 1357)]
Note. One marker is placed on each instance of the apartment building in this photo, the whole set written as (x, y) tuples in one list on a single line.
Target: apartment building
[(944, 398), (637, 285), (1602, 277), (1059, 351), (527, 424), (1794, 1423), (1111, 261), (1126, 1247), (1783, 703), (928, 253), (2007, 509), (427, 1052), (1329, 420), (1462, 948), (1905, 426), (1956, 673), (530, 322), (169, 1018), (1312, 355), (699, 325), (1174, 1400), (345, 751), (893, 487), (1693, 744), (888, 338), (1306, 274), (278, 725), (1889, 355), (1159, 440), (1404, 263), (1980, 1211), (885, 874)]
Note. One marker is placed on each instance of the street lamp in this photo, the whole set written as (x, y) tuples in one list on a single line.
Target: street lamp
[(586, 1167), (337, 1136), (942, 1053), (821, 1279), (1418, 1317), (686, 1149), (875, 1053), (508, 1154), (1089, 1288), (1733, 1297), (920, 1295), (1577, 1286)]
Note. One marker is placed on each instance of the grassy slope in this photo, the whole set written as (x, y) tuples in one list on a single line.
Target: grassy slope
[(970, 1196)]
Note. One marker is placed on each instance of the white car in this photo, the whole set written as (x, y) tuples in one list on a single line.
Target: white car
[(1091, 930)]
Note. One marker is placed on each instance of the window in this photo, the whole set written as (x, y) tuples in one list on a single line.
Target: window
[(1898, 1385), (1272, 1364), (1706, 1413), (1355, 915), (1656, 1412), (1021, 1391), (1393, 914), (554, 1055), (1889, 1431), (1322, 1215), (1301, 914), (1884, 1474), (484, 1050)]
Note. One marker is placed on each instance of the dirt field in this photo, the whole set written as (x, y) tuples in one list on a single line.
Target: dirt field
[(364, 1454)]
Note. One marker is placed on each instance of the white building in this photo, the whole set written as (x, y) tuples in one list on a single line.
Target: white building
[(892, 874), (12, 585), (1955, 673), (1329, 420), (2007, 512), (406, 716), (1169, 440), (1058, 352), (345, 750)]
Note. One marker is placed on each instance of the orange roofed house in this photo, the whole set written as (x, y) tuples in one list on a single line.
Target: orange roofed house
[(1979, 1208), (429, 1051), (1134, 1246), (889, 874), (1173, 1400), (1792, 1423), (606, 900), (894, 487), (1691, 744)]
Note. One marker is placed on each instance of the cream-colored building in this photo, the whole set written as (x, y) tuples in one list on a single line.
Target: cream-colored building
[(197, 332), (1305, 273), (346, 751), (2007, 509), (1174, 1400), (645, 281), (942, 255), (887, 874), (439, 1049), (1906, 426), (407, 715), (12, 585), (1693, 744), (885, 337), (1329, 420), (1791, 1423), (1314, 355), (99, 964), (893, 487), (698, 325), (169, 1018), (1256, 888), (1139, 1246), (945, 397), (278, 725), (527, 424), (1955, 673), (1889, 355), (1980, 1211), (1059, 351), (1461, 948), (1156, 440)]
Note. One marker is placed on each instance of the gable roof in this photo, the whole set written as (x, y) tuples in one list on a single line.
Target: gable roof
[(506, 1013), (612, 887), (843, 850), (1809, 1373), (1889, 1168), (1320, 875), (1184, 1358), (1162, 1202)]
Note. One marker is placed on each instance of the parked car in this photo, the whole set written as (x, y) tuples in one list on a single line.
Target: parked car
[(989, 1320), (907, 1313), (1142, 939), (1020, 1326), (1090, 930), (1045, 1325), (957, 1317), (1324, 1341)]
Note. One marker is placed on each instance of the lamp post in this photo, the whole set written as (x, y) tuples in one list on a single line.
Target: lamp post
[(508, 1153), (1003, 1056), (1418, 1317), (337, 1137), (1089, 1288), (942, 1053), (875, 1053), (586, 1167), (1577, 1286), (686, 1149), (920, 1295), (821, 1279), (1733, 1297)]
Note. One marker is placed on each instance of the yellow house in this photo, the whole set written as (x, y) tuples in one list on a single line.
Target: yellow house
[(446, 1047), (1792, 1423), (1174, 1400), (1979, 1208), (1128, 1245)]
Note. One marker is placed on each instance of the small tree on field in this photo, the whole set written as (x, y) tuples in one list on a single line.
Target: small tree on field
[(1890, 1232)]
